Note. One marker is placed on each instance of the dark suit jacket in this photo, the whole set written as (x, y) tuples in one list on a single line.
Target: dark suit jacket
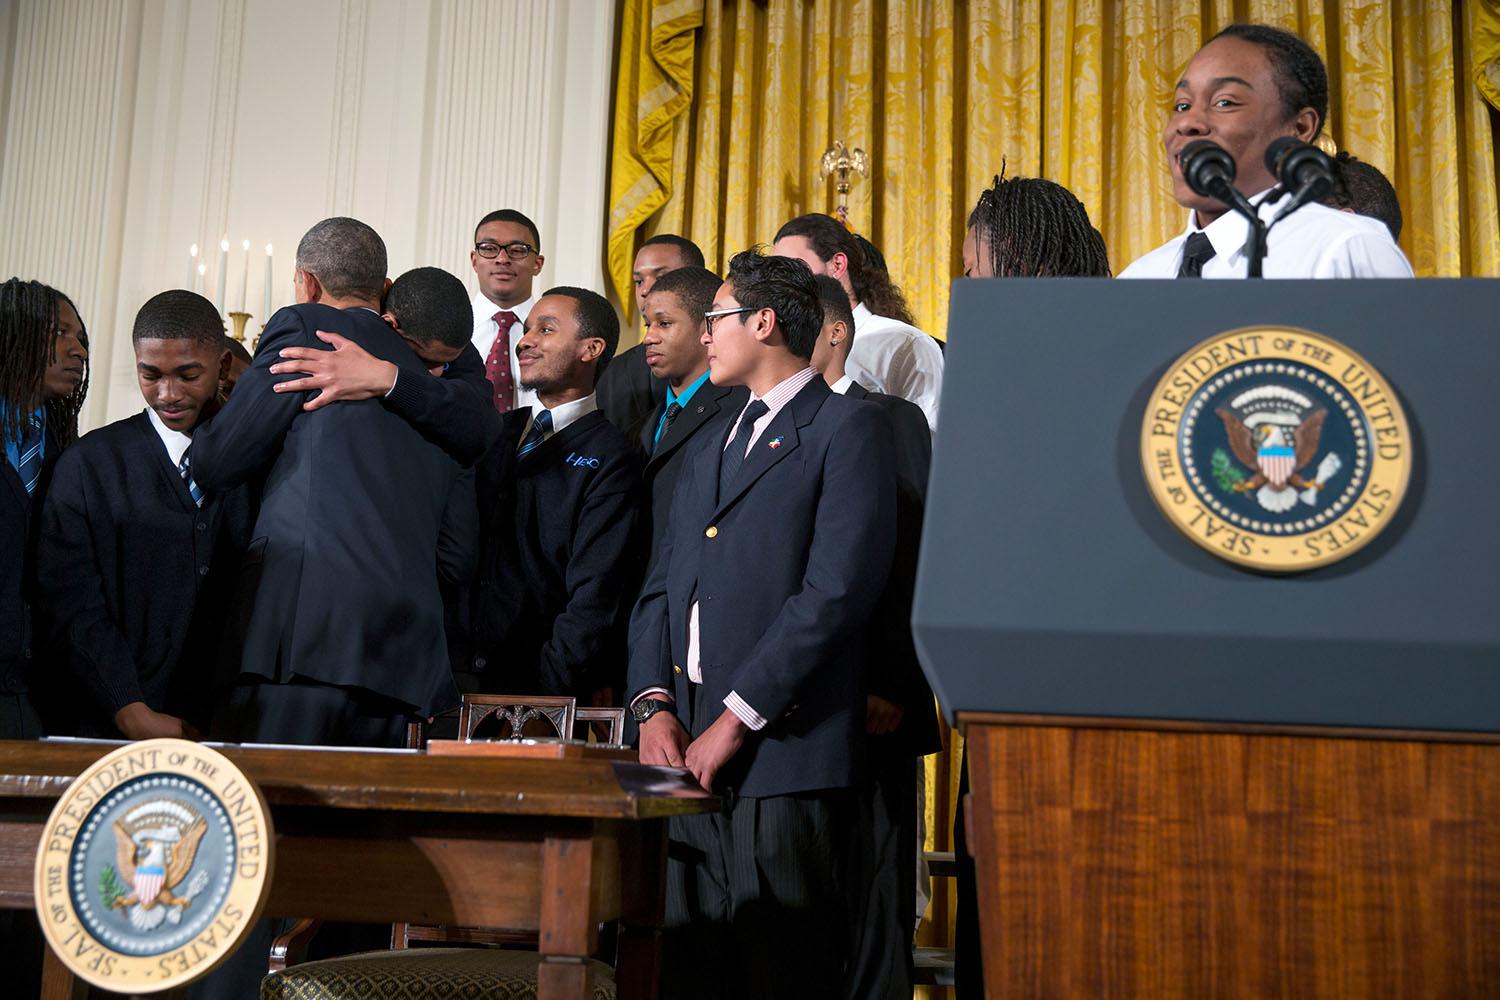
[(894, 672), (138, 577), (340, 584), (455, 412), (786, 569), (557, 575), (709, 412), (18, 523), (627, 391)]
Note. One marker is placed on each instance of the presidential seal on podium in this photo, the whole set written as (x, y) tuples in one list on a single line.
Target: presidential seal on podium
[(153, 866), (1276, 448)]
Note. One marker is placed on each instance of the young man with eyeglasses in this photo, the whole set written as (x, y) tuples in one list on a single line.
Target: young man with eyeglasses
[(507, 257), (747, 650)]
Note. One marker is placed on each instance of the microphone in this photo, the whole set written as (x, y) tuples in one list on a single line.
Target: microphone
[(1301, 168), (1208, 169)]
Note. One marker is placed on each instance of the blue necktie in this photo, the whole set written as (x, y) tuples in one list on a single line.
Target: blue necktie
[(541, 425), (31, 455), (186, 468), (734, 455)]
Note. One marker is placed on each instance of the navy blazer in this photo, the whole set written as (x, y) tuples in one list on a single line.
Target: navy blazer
[(340, 583), (18, 521), (894, 672), (557, 574), (709, 412), (138, 576), (786, 568)]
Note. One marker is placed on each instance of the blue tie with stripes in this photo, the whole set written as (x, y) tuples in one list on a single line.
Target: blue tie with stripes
[(186, 468), (541, 424), (31, 454)]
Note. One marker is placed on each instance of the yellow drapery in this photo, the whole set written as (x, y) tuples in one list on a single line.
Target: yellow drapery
[(723, 108)]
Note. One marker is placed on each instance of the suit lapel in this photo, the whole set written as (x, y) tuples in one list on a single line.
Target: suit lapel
[(13, 481), (152, 442), (703, 407), (776, 442)]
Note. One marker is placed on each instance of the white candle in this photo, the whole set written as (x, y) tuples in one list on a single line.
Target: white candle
[(267, 317), (245, 278), (192, 266), (198, 282), (223, 276)]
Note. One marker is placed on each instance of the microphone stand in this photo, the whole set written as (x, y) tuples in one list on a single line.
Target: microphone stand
[(1256, 249)]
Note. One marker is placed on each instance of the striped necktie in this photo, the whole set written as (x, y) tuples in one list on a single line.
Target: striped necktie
[(541, 426), (734, 455), (30, 467), (186, 468), (666, 422), (1196, 252)]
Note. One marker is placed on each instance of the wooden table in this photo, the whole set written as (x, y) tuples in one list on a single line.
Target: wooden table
[(551, 845)]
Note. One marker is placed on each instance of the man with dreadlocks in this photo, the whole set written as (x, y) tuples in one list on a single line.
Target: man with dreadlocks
[(1027, 227), (43, 377), (1249, 86), (1022, 227), (890, 355)]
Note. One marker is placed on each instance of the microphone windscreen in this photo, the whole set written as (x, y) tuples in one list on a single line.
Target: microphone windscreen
[(1207, 167), (1276, 154)]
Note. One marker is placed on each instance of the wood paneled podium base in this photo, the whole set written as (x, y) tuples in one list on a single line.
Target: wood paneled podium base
[(1119, 858)]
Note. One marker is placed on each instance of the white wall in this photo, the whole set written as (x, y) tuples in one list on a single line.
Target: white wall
[(133, 128)]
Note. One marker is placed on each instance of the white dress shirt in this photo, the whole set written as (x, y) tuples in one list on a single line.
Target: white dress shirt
[(562, 415), (842, 385), (897, 359), (1313, 242), (176, 442), (486, 330)]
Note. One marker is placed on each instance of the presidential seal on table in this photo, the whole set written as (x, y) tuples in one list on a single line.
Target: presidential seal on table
[(153, 866), (1276, 448)]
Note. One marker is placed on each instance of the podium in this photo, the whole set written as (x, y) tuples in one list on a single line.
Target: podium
[(1192, 779)]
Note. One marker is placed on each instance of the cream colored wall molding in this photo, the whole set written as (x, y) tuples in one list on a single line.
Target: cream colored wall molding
[(133, 128)]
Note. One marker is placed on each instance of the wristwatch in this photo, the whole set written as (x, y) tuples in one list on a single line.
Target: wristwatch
[(647, 707)]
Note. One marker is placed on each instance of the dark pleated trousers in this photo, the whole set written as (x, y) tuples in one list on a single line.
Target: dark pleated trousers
[(758, 895), (886, 884)]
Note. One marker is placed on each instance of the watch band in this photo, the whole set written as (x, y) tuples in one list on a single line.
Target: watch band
[(647, 707)]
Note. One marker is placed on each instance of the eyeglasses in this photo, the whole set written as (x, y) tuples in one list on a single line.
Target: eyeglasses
[(515, 251), (713, 314)]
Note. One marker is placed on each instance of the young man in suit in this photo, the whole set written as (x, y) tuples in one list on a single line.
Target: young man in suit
[(558, 499), (140, 560), (507, 257), (340, 624), (627, 392), (900, 716), (678, 358), (890, 354), (43, 377), (746, 651)]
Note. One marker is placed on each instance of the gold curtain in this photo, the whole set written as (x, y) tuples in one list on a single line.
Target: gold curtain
[(723, 108)]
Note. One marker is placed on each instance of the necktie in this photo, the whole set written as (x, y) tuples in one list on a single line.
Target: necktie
[(497, 364), (734, 455), (541, 425), (666, 420), (186, 468), (31, 454), (1195, 253)]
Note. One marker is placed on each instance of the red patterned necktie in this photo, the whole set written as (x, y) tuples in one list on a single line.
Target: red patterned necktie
[(497, 365)]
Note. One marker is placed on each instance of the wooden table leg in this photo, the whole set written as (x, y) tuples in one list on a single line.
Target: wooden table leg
[(643, 865), (568, 930), (57, 981)]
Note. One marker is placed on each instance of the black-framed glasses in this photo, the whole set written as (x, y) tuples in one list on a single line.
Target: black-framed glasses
[(515, 251), (713, 314)]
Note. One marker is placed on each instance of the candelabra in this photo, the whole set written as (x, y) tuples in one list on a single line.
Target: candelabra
[(841, 163)]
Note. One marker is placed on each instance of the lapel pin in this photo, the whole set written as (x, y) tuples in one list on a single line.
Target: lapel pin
[(774, 443)]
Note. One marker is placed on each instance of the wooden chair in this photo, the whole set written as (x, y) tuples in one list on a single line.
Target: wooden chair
[(614, 716)]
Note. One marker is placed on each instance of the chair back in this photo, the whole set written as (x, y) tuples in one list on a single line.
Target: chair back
[(515, 712), (614, 716)]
